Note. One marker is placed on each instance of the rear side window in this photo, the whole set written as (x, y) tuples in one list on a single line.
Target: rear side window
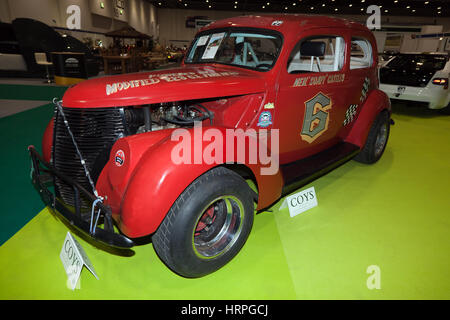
[(360, 54), (317, 54)]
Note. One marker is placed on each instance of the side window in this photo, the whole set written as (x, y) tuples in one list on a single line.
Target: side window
[(317, 54), (360, 54)]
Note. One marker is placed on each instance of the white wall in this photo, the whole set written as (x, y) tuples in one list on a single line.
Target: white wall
[(140, 14), (144, 17), (172, 22), (4, 11), (429, 44), (46, 11)]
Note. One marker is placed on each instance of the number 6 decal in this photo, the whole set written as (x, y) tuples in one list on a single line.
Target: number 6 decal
[(316, 117)]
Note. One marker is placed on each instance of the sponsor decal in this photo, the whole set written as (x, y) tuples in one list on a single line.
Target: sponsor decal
[(152, 79), (71, 62), (119, 158), (319, 80), (350, 114), (277, 23), (316, 117), (400, 91), (365, 89), (265, 119), (269, 105)]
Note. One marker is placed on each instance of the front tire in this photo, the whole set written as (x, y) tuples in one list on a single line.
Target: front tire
[(376, 140), (207, 225)]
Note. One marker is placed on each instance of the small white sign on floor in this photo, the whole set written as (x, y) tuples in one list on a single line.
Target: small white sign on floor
[(74, 258), (300, 201)]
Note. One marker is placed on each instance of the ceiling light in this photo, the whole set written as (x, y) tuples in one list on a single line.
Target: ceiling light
[(350, 5)]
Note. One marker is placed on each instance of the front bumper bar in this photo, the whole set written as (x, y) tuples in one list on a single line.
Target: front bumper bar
[(42, 176)]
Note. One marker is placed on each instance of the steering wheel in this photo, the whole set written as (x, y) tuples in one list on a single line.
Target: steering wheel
[(264, 65)]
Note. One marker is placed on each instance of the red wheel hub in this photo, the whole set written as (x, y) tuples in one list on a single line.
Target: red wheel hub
[(206, 219)]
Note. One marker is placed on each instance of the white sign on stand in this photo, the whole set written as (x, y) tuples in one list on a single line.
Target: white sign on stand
[(300, 201), (74, 258)]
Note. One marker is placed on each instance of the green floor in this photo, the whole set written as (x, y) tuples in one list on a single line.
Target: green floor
[(394, 215), (19, 203)]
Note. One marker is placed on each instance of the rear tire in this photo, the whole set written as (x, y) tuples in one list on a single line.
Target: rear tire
[(207, 225), (445, 110), (376, 140)]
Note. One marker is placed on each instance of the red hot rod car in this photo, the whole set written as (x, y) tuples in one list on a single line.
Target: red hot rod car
[(307, 84)]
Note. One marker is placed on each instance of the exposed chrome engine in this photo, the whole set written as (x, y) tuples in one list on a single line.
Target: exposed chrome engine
[(164, 115)]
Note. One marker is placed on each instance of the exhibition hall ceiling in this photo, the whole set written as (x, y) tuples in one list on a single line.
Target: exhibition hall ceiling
[(434, 8)]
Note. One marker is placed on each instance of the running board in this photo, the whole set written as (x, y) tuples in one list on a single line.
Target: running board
[(299, 173)]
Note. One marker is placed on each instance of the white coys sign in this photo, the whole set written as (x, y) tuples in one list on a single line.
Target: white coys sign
[(74, 258), (300, 201)]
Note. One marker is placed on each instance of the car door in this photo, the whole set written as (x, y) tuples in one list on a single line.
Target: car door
[(312, 95), (362, 73)]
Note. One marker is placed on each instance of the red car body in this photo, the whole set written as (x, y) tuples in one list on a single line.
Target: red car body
[(142, 190)]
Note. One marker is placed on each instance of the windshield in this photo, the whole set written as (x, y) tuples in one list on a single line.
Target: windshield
[(249, 49), (416, 62)]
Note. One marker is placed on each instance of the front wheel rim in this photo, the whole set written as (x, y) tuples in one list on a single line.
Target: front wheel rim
[(218, 227)]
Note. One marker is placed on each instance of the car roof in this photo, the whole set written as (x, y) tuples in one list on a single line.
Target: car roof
[(289, 22)]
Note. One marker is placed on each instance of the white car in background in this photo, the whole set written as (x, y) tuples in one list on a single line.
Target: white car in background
[(420, 77)]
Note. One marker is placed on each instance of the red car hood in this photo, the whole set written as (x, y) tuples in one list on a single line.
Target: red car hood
[(185, 83)]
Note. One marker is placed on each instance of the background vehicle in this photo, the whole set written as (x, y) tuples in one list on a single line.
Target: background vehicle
[(23, 37), (312, 84), (385, 57), (420, 77)]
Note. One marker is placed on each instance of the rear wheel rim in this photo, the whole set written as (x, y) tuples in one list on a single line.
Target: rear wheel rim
[(218, 227), (381, 140)]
